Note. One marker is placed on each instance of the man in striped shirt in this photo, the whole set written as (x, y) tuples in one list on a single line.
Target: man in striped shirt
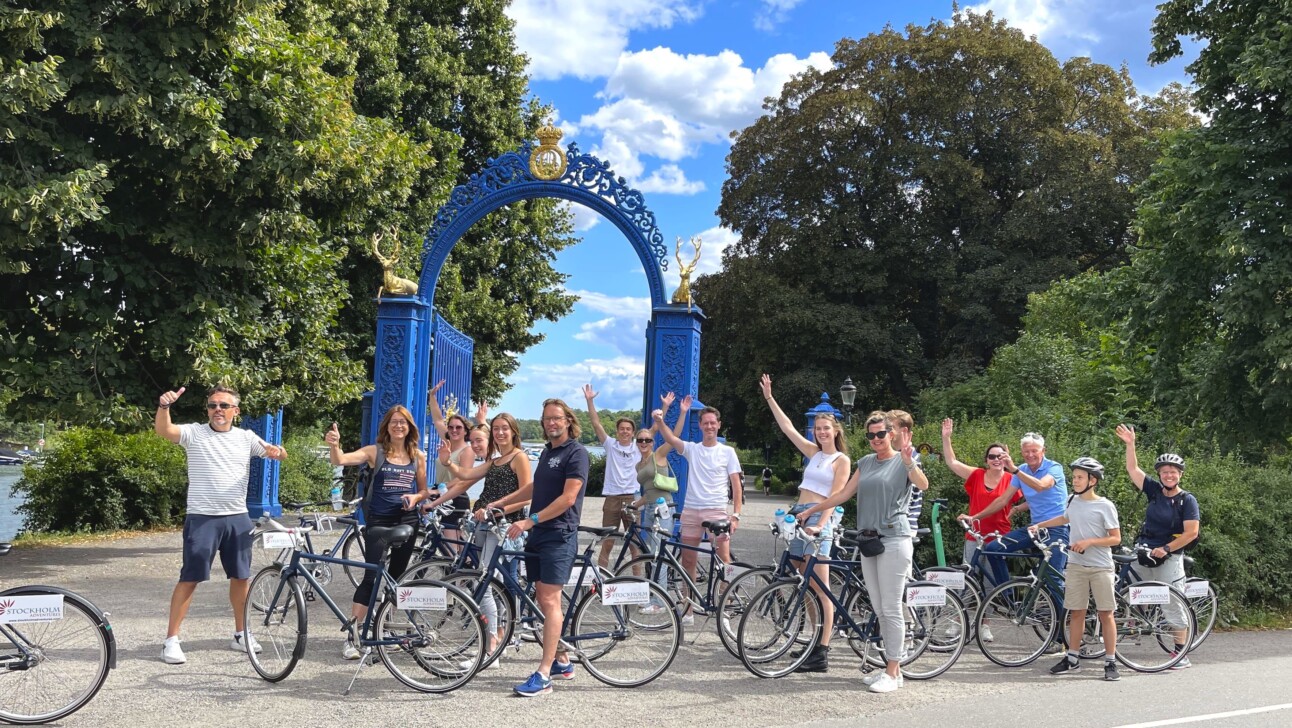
[(219, 463)]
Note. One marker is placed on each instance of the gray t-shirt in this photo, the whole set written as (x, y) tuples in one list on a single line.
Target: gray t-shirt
[(883, 496), (1091, 519)]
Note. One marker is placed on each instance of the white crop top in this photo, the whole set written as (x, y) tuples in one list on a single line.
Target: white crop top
[(818, 476)]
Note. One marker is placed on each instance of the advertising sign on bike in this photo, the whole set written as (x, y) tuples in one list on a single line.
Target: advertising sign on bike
[(422, 597), (625, 592), (952, 579), (277, 540), (926, 596), (576, 574), (1150, 594), (1197, 588), (36, 608)]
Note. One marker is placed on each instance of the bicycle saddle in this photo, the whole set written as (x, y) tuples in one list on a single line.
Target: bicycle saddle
[(1126, 558), (719, 527), (601, 532), (392, 536), (298, 505), (1188, 561)]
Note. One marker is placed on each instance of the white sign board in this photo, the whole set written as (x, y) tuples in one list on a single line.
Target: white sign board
[(277, 540), (953, 580), (1196, 589), (926, 596), (35, 608), (625, 592), (422, 597), (1150, 594), (577, 573)]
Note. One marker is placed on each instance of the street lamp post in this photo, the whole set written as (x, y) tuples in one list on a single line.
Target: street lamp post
[(848, 396)]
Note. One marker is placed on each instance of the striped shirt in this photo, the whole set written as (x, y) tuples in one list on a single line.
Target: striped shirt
[(219, 464)]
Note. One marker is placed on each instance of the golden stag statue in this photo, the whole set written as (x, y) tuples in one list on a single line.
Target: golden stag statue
[(683, 292), (391, 283)]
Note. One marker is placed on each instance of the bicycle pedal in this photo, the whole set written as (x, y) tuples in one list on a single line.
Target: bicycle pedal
[(309, 596)]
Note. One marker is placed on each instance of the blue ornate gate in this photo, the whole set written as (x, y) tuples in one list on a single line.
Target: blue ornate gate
[(409, 332), (450, 356)]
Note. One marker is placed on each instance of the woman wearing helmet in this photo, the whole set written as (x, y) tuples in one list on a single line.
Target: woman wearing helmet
[(1090, 572), (1171, 522)]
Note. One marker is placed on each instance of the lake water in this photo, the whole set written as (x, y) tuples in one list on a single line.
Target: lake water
[(10, 519)]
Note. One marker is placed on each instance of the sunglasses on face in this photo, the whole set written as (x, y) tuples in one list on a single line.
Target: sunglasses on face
[(996, 456), (877, 435), (455, 427), (644, 440), (219, 405)]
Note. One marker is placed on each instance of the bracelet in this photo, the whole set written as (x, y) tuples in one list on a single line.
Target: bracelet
[(163, 406), (910, 467), (736, 516)]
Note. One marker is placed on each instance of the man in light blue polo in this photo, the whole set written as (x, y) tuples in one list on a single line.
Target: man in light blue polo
[(1045, 491)]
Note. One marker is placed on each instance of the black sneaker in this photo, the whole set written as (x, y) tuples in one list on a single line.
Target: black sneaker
[(1065, 665), (1110, 672), (818, 661)]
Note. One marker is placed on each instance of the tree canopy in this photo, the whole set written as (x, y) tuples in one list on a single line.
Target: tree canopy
[(896, 209)]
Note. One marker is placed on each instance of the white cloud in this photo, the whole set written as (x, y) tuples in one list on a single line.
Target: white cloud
[(626, 336), (716, 240), (583, 38), (583, 217), (773, 13), (614, 305), (618, 381), (1048, 20), (667, 105)]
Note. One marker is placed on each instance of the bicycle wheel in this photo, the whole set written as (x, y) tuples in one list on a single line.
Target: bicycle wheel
[(352, 550), (970, 596), (436, 650), (49, 670), (276, 618), (1147, 633), (735, 600), (432, 569), (779, 628), (1022, 619), (935, 636), (500, 632), (620, 646), (1205, 609), (866, 646)]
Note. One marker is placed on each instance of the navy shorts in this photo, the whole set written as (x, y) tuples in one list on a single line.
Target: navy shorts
[(206, 535), (549, 555)]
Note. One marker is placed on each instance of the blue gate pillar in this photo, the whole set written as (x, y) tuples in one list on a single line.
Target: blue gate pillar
[(262, 483), (673, 365), (400, 362), (825, 407)]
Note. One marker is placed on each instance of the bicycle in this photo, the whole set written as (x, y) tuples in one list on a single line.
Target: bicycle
[(56, 649), (607, 629), (349, 544), (783, 621), (425, 632), (437, 556)]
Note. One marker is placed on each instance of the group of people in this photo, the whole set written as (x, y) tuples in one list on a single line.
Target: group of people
[(543, 507)]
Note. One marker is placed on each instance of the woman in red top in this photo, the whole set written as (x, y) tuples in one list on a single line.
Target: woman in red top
[(983, 485)]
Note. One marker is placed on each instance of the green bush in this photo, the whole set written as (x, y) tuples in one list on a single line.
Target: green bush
[(98, 480), (596, 475), (304, 476)]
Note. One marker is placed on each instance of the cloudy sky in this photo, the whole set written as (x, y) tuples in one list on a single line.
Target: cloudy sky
[(654, 87)]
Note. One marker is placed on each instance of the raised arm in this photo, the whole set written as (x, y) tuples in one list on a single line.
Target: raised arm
[(1127, 435), (472, 474), (913, 472), (437, 415), (805, 446), (161, 421), (482, 413), (671, 437), (1045, 482), (682, 411), (590, 395), (665, 402), (364, 455), (957, 467)]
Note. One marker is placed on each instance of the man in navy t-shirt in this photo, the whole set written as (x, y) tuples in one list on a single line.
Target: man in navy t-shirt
[(556, 503)]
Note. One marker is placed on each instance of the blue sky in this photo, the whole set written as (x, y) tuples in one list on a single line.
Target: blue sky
[(654, 87)]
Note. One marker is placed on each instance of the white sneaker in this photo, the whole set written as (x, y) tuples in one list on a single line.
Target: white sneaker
[(651, 609), (886, 683), (350, 652), (688, 620), (986, 634), (872, 678), (237, 646), (171, 652)]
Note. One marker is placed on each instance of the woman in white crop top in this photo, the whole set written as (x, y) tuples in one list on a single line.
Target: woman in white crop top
[(825, 474)]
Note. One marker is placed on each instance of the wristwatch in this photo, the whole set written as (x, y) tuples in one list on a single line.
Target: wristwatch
[(736, 516), (534, 517)]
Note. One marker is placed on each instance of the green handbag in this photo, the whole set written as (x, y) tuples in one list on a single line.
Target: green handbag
[(666, 483)]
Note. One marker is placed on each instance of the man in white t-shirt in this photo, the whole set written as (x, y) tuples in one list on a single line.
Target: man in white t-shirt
[(620, 486), (714, 467), (216, 521)]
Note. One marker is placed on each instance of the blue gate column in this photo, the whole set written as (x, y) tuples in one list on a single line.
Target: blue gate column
[(262, 483), (400, 362), (673, 365)]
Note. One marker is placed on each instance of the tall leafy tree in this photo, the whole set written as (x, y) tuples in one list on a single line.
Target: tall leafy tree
[(1215, 257), (895, 209)]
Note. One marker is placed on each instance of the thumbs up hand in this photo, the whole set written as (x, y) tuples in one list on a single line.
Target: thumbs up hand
[(333, 436)]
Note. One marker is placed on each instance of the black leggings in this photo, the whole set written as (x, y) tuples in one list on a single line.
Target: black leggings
[(372, 551)]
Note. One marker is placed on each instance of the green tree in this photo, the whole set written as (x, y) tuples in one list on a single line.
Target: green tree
[(1215, 255), (896, 209)]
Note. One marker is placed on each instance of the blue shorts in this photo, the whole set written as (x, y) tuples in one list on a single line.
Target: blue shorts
[(205, 535), (798, 547), (549, 555)]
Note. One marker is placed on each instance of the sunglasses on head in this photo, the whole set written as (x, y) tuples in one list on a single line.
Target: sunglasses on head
[(219, 405), (877, 435), (644, 439)]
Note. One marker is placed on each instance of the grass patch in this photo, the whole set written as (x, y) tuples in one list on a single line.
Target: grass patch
[(1261, 620), (74, 538)]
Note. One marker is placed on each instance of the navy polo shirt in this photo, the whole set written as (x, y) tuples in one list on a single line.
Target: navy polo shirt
[(1165, 516), (555, 466)]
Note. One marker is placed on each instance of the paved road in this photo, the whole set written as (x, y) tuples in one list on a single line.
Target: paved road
[(132, 578)]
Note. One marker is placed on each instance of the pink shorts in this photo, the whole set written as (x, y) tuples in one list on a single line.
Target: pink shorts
[(693, 517)]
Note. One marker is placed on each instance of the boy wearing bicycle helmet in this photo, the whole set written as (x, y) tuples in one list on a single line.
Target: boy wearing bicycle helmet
[(1089, 573), (1171, 522)]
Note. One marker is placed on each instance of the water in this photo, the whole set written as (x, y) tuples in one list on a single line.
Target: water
[(10, 519)]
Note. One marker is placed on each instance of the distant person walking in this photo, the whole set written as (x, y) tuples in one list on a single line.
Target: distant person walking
[(767, 480), (219, 463)]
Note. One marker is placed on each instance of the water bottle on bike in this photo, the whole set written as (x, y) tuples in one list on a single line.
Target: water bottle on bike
[(338, 503)]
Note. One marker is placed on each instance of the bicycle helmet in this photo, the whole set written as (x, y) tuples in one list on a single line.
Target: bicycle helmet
[(1090, 465), (1169, 458)]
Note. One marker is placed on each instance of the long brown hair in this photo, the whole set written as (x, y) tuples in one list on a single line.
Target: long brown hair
[(572, 429), (515, 431), (840, 442), (410, 440)]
